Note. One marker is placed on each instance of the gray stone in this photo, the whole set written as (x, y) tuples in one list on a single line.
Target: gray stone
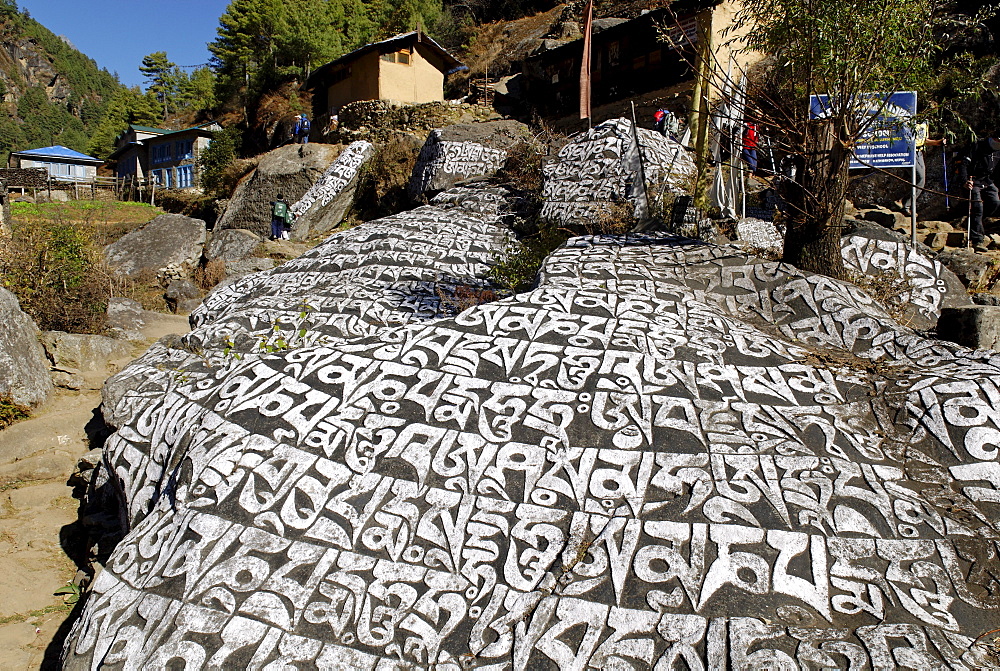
[(125, 313), (231, 244), (248, 266), (667, 450), (886, 218), (82, 352), (169, 239), (464, 151), (974, 270), (323, 206), (187, 305), (976, 326), (986, 299), (24, 371), (289, 171), (181, 290)]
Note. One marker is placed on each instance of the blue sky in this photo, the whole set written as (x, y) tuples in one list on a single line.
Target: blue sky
[(118, 33)]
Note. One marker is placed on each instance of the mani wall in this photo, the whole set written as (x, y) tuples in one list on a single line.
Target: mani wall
[(670, 454)]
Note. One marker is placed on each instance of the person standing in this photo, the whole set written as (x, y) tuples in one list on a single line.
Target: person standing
[(279, 218), (303, 127), (975, 170), (750, 142), (920, 141)]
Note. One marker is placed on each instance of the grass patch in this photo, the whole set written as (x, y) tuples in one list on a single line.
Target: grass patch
[(11, 412), (105, 221)]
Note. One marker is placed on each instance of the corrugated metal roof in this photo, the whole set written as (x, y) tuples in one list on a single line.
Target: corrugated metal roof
[(57, 151)]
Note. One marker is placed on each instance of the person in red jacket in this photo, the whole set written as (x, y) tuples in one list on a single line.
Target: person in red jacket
[(750, 140)]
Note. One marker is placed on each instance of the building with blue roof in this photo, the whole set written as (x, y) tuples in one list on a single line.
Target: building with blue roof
[(61, 162)]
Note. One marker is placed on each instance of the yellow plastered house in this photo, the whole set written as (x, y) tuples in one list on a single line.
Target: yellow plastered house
[(408, 68)]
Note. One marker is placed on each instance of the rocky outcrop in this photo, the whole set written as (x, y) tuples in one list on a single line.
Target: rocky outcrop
[(323, 206), (168, 240), (463, 151), (24, 371), (231, 244), (74, 355), (603, 168), (669, 450), (289, 171)]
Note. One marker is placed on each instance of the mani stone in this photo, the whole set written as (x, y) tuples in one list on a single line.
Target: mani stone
[(24, 371), (166, 241), (323, 206), (463, 151), (604, 167), (976, 326), (289, 171)]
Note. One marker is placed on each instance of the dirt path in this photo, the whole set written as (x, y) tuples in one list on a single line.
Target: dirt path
[(37, 512)]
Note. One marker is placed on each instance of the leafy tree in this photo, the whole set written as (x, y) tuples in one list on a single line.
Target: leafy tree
[(160, 76), (219, 155), (195, 91), (843, 48)]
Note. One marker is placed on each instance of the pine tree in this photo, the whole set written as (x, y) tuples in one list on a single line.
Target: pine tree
[(160, 78)]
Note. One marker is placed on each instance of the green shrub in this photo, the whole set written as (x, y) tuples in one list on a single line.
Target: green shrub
[(58, 275), (11, 412), (383, 181), (516, 270)]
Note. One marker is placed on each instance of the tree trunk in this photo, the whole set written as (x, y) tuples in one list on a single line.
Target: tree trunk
[(815, 200)]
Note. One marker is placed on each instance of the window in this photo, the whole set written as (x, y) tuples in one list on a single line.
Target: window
[(401, 56), (160, 152), (340, 75), (183, 149), (185, 177), (161, 177)]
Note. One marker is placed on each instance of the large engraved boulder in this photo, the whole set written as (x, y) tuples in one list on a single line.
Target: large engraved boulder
[(169, 240), (24, 370), (463, 151), (605, 167), (323, 206), (289, 171), (901, 274), (668, 455)]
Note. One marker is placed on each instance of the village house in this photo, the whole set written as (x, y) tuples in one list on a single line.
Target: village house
[(169, 157), (62, 163), (409, 68), (646, 60)]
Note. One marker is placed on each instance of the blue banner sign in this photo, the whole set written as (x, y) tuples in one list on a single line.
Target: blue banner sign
[(887, 139)]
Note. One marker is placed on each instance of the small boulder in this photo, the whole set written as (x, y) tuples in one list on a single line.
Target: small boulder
[(187, 305), (24, 370), (974, 270), (179, 291), (74, 352), (976, 326), (169, 239), (126, 318), (231, 244), (986, 299)]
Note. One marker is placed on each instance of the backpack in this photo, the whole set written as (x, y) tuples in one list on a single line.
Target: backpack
[(279, 210), (304, 127)]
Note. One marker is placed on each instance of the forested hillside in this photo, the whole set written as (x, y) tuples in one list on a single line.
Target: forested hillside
[(51, 93)]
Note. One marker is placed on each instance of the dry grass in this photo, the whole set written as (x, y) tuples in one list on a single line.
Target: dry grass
[(210, 274)]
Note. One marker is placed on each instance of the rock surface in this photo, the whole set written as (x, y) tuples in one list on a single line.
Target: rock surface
[(289, 171), (602, 167), (463, 151), (323, 206), (24, 371), (231, 244), (168, 240), (667, 451)]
